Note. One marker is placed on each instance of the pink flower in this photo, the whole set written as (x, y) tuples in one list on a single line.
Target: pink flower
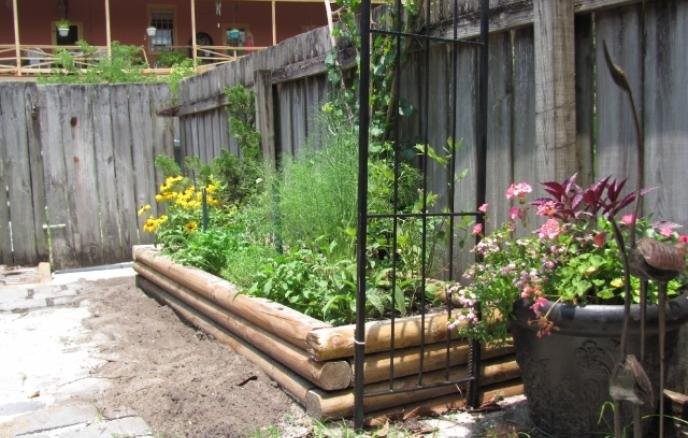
[(539, 305), (628, 219), (516, 213), (599, 239), (547, 209), (549, 229), (483, 208), (665, 228), (518, 190), (683, 238), (477, 229)]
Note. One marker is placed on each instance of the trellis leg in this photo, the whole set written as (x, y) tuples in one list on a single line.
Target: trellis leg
[(17, 44), (662, 342)]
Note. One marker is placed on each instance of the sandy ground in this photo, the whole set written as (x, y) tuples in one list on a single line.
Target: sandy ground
[(178, 380), (99, 358)]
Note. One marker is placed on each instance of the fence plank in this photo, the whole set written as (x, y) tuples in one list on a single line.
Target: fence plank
[(54, 123), (33, 130), (112, 247), (19, 177), (616, 134), (585, 96), (286, 141), (298, 115), (555, 100), (525, 152), (142, 158), (466, 157), (6, 255), (84, 181), (126, 189), (666, 120), (499, 128)]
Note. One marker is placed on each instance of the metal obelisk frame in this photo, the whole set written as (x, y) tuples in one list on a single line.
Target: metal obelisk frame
[(423, 39)]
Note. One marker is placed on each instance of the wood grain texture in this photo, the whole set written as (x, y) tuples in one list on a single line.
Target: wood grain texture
[(555, 100), (500, 107), (585, 96), (525, 152), (6, 256), (18, 171), (616, 139), (666, 120)]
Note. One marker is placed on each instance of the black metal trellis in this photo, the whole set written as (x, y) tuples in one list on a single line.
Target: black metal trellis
[(364, 216)]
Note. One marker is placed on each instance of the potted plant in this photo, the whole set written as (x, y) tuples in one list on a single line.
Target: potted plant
[(63, 27), (560, 292)]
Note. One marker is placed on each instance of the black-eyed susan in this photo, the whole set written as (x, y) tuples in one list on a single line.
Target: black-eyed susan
[(190, 226), (144, 208)]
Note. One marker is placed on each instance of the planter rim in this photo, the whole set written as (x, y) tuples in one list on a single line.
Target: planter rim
[(603, 319)]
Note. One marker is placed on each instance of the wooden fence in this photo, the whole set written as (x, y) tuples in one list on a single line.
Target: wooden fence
[(77, 162), (540, 50)]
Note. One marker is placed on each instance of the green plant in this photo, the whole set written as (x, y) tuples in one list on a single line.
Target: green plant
[(170, 58), (63, 24), (572, 257), (179, 71)]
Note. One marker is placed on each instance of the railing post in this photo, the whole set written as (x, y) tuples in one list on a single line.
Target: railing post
[(555, 94), (17, 44), (108, 29), (193, 33), (274, 23)]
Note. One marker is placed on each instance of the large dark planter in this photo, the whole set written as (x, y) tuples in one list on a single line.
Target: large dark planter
[(566, 375)]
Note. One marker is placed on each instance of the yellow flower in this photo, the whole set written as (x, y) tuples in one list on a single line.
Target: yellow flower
[(617, 282), (212, 201), (159, 198), (151, 225), (190, 226), (162, 219), (144, 208), (211, 188)]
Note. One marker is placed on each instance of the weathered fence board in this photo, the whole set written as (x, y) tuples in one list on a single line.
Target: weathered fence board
[(616, 139), (666, 118)]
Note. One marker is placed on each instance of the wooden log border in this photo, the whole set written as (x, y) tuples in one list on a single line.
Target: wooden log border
[(297, 351)]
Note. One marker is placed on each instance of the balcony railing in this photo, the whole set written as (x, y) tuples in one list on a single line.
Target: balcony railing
[(45, 59)]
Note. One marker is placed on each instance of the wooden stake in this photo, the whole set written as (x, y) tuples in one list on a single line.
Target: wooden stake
[(326, 375), (17, 44), (288, 324), (108, 29), (340, 404), (292, 383)]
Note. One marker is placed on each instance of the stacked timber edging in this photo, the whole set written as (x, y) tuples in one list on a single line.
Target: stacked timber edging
[(313, 360)]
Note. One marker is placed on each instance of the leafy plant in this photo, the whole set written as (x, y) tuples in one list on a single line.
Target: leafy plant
[(570, 258)]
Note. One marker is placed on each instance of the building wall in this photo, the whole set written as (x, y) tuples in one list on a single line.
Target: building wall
[(130, 18)]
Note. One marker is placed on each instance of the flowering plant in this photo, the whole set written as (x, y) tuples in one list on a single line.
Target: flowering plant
[(182, 201), (571, 257)]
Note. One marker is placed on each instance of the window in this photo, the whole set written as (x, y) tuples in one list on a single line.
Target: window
[(163, 21)]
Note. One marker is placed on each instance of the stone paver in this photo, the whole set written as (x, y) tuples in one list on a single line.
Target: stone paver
[(47, 360)]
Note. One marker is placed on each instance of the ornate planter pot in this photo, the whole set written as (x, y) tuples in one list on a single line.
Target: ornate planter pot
[(566, 375)]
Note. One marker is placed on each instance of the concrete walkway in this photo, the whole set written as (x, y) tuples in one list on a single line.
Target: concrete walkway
[(47, 361)]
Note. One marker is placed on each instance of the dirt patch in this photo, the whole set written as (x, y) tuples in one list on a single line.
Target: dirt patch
[(180, 381)]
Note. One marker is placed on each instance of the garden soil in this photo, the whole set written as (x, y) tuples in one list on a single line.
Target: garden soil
[(177, 379)]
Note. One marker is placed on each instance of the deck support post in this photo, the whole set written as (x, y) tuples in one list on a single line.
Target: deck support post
[(17, 43), (193, 34), (108, 29)]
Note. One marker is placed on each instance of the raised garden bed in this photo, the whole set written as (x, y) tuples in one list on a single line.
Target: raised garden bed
[(313, 360)]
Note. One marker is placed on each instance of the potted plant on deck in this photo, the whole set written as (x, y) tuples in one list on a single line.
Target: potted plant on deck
[(560, 291)]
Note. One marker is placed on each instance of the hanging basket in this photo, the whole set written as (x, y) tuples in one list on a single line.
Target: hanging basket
[(63, 31)]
